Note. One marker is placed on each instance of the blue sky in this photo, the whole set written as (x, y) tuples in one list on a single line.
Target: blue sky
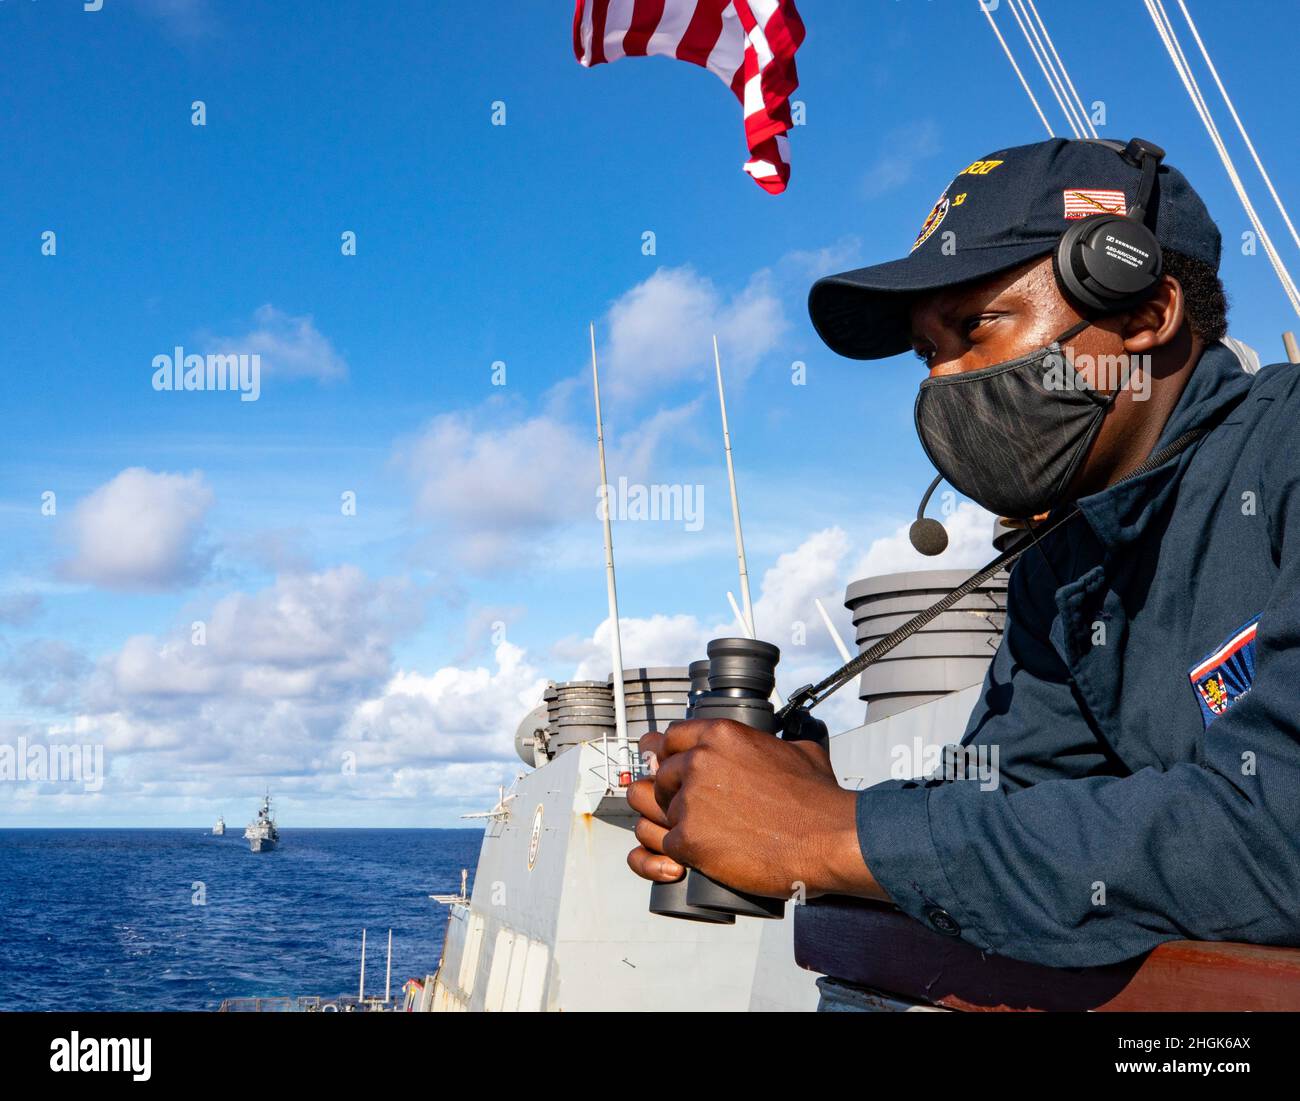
[(372, 635)]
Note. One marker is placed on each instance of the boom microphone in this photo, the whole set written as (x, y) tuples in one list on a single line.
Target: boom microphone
[(928, 536)]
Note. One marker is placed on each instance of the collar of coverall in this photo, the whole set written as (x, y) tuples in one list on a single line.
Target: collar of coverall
[(1120, 513)]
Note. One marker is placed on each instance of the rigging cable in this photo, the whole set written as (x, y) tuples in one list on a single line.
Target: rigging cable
[(1083, 111), (988, 14), (1053, 82), (1169, 37), (1240, 126)]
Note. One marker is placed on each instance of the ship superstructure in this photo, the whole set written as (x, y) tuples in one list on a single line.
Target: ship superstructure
[(557, 921), (261, 833)]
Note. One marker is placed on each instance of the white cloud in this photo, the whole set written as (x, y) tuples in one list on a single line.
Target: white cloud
[(661, 331), (658, 640), (813, 569), (47, 672), (496, 489), (463, 714), (296, 685), (262, 694), (139, 531), (290, 347), (786, 613), (804, 264), (633, 454), (312, 640), (492, 488)]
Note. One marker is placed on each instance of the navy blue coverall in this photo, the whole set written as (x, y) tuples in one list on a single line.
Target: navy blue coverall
[(1145, 702)]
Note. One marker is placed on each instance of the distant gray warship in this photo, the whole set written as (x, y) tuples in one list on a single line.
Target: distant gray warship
[(219, 830), (261, 833)]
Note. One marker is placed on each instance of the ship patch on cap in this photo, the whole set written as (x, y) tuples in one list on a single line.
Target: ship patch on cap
[(1083, 202), (937, 214)]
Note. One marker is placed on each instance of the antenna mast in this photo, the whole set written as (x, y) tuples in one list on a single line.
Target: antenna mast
[(361, 991), (615, 640), (1292, 348), (388, 971), (747, 617), (835, 635), (735, 502)]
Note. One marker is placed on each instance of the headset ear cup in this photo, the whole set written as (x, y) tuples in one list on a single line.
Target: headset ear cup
[(1094, 277), (1063, 262)]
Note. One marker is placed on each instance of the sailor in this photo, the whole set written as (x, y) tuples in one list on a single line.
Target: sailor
[(1145, 698)]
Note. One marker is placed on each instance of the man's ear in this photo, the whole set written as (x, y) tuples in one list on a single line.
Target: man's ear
[(1157, 321)]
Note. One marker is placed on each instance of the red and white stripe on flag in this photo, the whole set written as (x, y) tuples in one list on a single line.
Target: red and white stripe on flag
[(750, 44), (1083, 202)]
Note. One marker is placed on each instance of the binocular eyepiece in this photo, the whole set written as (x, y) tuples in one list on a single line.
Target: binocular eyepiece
[(736, 683), (699, 674)]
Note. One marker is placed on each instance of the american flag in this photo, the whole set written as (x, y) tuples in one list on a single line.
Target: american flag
[(1083, 202), (750, 44)]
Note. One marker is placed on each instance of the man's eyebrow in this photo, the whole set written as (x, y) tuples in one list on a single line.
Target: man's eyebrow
[(950, 308), (944, 308)]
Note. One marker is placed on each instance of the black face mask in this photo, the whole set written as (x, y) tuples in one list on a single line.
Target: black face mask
[(1011, 436)]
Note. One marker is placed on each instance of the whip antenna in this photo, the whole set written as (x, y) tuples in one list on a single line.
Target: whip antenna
[(746, 616), (845, 655), (615, 641), (748, 604)]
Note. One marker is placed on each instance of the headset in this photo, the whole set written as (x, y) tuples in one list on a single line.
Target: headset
[(1111, 262)]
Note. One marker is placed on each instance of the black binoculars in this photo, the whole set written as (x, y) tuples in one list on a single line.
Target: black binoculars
[(736, 682)]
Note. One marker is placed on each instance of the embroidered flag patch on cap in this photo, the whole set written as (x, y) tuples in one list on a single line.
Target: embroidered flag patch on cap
[(1083, 202), (1221, 678)]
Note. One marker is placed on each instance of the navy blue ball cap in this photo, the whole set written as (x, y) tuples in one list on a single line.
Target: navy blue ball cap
[(999, 212)]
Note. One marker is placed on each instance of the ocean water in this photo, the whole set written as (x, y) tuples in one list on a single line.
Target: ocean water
[(107, 919)]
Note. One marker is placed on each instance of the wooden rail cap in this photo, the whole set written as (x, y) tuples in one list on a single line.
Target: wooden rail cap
[(879, 946)]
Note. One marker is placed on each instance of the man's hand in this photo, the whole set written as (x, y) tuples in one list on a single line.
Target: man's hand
[(749, 810)]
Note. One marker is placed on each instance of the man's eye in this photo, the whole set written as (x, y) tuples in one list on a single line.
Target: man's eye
[(973, 323)]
